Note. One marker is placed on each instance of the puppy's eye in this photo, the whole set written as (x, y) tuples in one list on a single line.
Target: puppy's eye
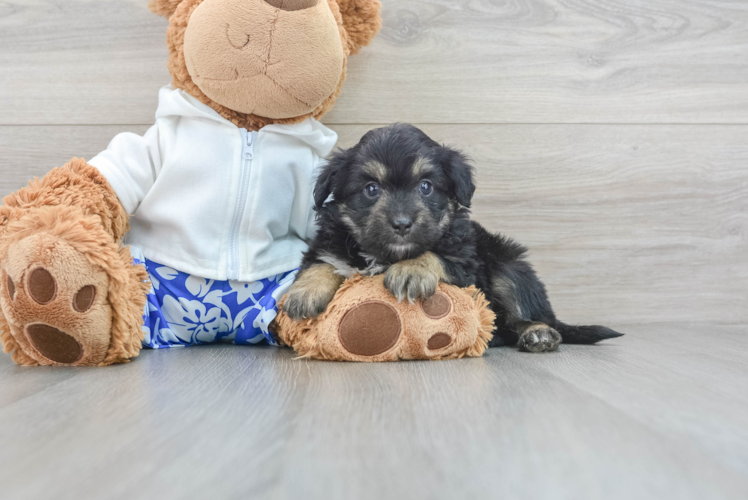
[(371, 190), (426, 188)]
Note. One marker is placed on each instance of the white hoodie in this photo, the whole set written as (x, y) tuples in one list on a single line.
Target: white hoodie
[(213, 200)]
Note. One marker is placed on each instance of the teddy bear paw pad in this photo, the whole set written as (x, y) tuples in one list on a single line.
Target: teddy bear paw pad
[(84, 298), (54, 344), (42, 286), (437, 306), (439, 341), (11, 288), (370, 328)]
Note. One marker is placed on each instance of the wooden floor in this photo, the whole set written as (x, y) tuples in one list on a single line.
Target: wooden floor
[(611, 137), (660, 413)]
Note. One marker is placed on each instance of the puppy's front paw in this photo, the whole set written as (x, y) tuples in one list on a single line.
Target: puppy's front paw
[(412, 279), (539, 337), (312, 292), (301, 304)]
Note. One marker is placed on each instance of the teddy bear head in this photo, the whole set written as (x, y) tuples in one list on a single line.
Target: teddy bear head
[(258, 62)]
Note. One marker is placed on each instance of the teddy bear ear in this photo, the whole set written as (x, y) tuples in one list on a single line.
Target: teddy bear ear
[(163, 7), (362, 20)]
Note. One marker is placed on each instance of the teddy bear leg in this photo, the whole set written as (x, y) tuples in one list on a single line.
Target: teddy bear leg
[(452, 323), (68, 294), (364, 322)]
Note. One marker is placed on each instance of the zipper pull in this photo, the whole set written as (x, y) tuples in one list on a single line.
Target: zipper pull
[(249, 151)]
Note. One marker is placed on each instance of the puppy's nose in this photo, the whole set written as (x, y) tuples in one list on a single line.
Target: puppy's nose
[(292, 4), (402, 225)]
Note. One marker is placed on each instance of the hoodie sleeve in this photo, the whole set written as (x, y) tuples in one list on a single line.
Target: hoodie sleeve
[(130, 164)]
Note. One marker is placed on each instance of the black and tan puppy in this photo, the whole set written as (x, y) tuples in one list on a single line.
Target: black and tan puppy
[(400, 206)]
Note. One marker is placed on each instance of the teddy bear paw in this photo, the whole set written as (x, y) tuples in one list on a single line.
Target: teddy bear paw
[(365, 322), (55, 302), (378, 330)]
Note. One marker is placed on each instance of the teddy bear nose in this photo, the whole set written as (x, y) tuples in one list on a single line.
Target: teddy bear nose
[(292, 4)]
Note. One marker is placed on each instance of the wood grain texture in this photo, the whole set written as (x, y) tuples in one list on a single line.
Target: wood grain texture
[(438, 61), (32, 151), (626, 224), (650, 415)]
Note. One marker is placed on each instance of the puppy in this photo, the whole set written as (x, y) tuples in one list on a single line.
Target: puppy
[(400, 206)]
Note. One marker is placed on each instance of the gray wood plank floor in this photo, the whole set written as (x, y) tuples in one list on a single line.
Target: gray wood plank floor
[(660, 413), (610, 137)]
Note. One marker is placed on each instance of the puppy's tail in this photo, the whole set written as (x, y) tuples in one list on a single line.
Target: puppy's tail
[(584, 334)]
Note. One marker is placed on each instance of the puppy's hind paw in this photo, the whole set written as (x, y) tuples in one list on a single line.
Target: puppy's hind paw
[(539, 337)]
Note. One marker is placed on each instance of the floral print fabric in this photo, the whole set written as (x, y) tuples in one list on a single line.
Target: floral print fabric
[(187, 310)]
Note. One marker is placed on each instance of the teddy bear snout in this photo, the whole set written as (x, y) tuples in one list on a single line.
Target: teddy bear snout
[(264, 57), (291, 5)]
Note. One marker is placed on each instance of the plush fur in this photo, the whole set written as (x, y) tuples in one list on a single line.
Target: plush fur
[(400, 206)]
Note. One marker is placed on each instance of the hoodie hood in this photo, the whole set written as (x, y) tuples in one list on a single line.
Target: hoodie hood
[(178, 103)]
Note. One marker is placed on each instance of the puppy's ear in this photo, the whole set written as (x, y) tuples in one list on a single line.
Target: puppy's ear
[(459, 171), (361, 20), (326, 179)]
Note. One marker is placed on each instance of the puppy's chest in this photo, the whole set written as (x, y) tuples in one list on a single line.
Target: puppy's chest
[(365, 265)]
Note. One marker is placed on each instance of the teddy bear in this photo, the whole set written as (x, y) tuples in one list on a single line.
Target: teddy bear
[(192, 233)]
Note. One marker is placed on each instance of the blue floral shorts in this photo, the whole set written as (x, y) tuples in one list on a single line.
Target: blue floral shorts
[(187, 310)]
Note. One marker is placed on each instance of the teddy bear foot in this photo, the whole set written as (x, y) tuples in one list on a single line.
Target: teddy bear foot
[(55, 303), (373, 328), (364, 322)]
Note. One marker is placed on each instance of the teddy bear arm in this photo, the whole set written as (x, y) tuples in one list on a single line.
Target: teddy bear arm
[(77, 184), (69, 292)]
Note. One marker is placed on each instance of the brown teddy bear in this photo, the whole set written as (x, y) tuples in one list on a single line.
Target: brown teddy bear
[(213, 202)]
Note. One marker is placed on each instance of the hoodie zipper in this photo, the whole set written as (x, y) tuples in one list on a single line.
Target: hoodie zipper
[(248, 153)]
